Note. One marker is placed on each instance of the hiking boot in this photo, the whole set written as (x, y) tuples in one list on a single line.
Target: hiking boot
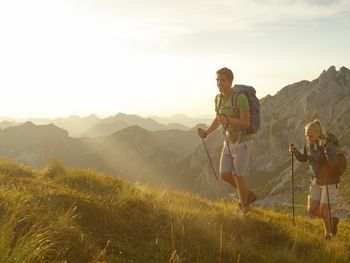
[(327, 237), (242, 209), (335, 225), (251, 197)]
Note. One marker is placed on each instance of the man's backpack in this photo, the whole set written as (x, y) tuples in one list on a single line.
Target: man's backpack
[(342, 164), (253, 103)]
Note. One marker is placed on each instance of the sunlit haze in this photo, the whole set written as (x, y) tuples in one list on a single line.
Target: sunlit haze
[(59, 58)]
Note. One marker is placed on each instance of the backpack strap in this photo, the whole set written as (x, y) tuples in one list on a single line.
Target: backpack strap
[(236, 93), (218, 99)]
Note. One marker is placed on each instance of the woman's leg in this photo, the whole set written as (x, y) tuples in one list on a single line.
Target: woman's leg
[(313, 207), (313, 199), (326, 210), (326, 218)]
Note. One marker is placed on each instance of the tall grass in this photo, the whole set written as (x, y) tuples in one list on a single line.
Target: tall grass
[(58, 215)]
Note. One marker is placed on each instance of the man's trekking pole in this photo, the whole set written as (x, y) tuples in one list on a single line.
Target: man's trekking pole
[(213, 170), (329, 210), (293, 186), (211, 163), (233, 167)]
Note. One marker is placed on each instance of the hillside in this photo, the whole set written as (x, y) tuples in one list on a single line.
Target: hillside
[(58, 215)]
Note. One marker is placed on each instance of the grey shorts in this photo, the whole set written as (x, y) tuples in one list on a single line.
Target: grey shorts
[(239, 162), (319, 193)]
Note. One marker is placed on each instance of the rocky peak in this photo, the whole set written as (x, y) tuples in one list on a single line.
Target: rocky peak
[(331, 71), (331, 74)]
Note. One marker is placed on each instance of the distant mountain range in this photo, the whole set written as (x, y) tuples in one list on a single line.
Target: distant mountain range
[(93, 126), (184, 120)]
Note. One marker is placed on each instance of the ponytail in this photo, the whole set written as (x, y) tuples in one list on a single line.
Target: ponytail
[(314, 126)]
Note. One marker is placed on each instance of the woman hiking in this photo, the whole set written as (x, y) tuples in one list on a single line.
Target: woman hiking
[(321, 155)]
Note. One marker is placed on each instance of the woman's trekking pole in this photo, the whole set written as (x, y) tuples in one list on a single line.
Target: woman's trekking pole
[(293, 187), (213, 170), (329, 210), (233, 167)]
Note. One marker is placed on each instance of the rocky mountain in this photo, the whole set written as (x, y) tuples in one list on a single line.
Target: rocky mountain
[(283, 117)]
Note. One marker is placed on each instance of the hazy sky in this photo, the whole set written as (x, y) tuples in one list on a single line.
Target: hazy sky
[(158, 56)]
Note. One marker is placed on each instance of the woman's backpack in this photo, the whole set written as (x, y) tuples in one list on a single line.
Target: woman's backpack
[(342, 163)]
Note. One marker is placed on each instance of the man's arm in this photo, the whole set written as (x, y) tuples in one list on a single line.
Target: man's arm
[(243, 122), (204, 133)]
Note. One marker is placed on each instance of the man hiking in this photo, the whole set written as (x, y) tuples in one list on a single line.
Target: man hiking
[(321, 155), (237, 149)]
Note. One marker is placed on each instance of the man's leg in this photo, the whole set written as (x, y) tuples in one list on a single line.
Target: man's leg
[(242, 186), (245, 193), (226, 170), (228, 177), (242, 158)]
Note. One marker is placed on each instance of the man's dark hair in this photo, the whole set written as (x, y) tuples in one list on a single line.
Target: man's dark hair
[(227, 72)]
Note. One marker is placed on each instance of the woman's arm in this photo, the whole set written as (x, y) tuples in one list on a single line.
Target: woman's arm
[(301, 157)]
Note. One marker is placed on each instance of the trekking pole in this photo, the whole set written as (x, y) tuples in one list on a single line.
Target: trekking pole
[(233, 168), (213, 169), (293, 187), (329, 210), (211, 163)]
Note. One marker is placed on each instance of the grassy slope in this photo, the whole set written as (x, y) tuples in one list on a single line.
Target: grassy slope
[(82, 216)]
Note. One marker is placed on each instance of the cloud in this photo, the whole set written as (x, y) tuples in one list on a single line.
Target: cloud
[(193, 15)]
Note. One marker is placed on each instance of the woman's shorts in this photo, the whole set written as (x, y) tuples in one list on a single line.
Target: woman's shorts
[(238, 163), (319, 193)]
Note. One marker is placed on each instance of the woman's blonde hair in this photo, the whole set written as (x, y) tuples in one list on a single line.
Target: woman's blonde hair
[(314, 126)]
